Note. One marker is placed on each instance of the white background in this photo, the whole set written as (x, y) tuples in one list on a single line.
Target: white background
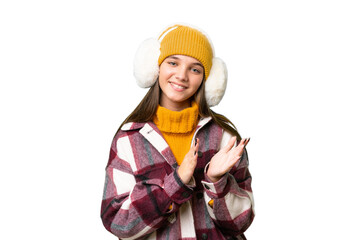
[(67, 84)]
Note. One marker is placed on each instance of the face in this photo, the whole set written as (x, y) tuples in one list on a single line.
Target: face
[(180, 77)]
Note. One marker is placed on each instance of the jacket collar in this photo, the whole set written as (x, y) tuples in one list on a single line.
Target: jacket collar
[(134, 125), (150, 132)]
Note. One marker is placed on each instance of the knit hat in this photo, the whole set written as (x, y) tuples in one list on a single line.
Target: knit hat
[(182, 40), (186, 41)]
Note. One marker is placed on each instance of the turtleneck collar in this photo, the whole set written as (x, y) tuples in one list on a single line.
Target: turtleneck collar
[(183, 121)]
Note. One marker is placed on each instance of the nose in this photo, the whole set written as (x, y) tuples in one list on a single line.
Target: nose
[(181, 74)]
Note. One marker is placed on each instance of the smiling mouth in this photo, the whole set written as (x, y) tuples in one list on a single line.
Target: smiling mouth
[(176, 86)]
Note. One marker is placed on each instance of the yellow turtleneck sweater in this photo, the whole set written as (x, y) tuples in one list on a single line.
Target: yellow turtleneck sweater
[(178, 128)]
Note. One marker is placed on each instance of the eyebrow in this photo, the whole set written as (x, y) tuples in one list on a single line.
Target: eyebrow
[(199, 64)]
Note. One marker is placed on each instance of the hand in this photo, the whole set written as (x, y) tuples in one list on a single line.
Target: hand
[(187, 167), (225, 159)]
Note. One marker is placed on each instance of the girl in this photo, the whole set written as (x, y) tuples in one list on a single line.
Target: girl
[(178, 170)]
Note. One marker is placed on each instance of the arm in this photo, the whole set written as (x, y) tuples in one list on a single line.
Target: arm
[(230, 196), (132, 209)]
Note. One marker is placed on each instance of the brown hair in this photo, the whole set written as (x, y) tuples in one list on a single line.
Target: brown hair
[(146, 109)]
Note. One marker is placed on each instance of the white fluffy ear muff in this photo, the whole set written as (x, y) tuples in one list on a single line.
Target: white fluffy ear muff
[(215, 84), (146, 69)]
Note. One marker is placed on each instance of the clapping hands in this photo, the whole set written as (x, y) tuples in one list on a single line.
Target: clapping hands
[(220, 163)]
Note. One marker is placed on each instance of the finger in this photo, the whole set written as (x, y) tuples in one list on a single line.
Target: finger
[(195, 147), (229, 145), (248, 140), (240, 148), (196, 144), (233, 161), (196, 141), (244, 141), (241, 143)]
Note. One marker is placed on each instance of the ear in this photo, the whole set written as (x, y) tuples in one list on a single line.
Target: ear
[(146, 69), (215, 84)]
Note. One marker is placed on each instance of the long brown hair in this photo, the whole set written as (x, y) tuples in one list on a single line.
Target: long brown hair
[(146, 109)]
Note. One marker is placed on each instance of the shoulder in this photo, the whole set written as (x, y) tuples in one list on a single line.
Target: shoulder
[(228, 131), (125, 132), (128, 128), (122, 147)]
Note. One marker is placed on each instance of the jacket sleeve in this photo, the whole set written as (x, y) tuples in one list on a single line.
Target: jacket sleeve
[(133, 208), (231, 199)]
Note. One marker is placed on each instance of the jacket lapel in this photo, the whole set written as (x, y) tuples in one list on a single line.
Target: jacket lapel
[(151, 133)]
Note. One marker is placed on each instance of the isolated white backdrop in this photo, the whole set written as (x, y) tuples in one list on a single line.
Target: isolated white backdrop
[(67, 84)]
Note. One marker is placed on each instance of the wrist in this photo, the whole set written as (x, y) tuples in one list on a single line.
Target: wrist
[(185, 178), (213, 179), (209, 175)]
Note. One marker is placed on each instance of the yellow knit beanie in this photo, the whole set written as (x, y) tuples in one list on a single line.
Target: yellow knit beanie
[(188, 41)]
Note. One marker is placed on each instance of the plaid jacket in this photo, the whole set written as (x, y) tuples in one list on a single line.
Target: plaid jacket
[(144, 197)]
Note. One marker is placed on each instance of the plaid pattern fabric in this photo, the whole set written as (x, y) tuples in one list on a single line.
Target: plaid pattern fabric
[(142, 183)]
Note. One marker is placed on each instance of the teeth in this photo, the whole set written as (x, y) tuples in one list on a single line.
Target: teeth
[(177, 86)]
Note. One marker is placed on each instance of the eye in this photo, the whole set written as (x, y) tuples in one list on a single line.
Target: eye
[(172, 63), (196, 70)]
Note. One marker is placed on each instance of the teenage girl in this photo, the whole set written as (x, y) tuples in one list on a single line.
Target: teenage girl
[(178, 170)]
